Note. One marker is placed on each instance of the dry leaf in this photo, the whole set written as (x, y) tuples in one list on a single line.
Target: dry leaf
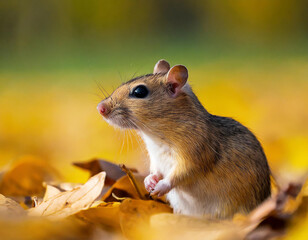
[(105, 214), (135, 215), (10, 209), (124, 188), (26, 177), (298, 225), (38, 229), (172, 226), (67, 186), (272, 218), (67, 203), (113, 171), (51, 191)]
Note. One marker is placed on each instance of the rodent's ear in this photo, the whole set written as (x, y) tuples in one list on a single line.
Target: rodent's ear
[(176, 79), (162, 66)]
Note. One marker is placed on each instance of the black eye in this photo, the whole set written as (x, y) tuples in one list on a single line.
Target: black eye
[(140, 92)]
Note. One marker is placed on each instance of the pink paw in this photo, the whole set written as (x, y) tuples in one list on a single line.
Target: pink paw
[(161, 188), (150, 182)]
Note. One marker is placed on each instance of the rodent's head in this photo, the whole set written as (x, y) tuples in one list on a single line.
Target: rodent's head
[(148, 102)]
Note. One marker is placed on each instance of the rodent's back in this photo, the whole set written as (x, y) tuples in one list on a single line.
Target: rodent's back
[(240, 172)]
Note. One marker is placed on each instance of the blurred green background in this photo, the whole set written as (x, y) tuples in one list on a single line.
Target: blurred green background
[(246, 59)]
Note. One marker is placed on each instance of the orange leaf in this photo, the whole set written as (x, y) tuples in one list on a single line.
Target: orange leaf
[(26, 177)]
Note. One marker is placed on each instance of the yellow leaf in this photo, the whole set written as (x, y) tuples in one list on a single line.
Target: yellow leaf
[(135, 215), (174, 226), (106, 214), (38, 229)]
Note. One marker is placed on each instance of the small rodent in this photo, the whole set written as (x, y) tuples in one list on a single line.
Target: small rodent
[(206, 164)]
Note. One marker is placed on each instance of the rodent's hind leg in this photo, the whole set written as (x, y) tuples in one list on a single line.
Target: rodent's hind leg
[(150, 181)]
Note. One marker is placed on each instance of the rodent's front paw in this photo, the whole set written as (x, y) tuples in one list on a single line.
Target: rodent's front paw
[(161, 188), (150, 182)]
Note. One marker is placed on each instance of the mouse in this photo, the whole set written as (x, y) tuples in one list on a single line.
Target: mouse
[(205, 165)]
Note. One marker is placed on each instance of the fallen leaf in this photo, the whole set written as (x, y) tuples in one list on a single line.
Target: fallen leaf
[(135, 216), (67, 186), (174, 226), (137, 185), (38, 228), (124, 188), (10, 209), (272, 218), (104, 214), (70, 202), (26, 177), (51, 191), (113, 171), (298, 225), (62, 186)]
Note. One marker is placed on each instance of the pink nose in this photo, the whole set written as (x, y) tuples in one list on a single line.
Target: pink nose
[(102, 109)]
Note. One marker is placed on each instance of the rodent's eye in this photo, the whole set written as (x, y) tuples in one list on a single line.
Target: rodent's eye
[(140, 92)]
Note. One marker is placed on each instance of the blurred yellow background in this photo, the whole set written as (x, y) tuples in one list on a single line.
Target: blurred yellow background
[(246, 59)]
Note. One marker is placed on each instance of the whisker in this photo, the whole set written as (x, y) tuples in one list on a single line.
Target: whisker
[(100, 88), (134, 75), (130, 138), (127, 143), (122, 143), (139, 142), (106, 91), (121, 78), (95, 94)]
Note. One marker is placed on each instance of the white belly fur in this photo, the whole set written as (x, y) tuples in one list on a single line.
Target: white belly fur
[(161, 156), (189, 201)]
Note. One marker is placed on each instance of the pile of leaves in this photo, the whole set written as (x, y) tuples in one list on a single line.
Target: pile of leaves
[(113, 204)]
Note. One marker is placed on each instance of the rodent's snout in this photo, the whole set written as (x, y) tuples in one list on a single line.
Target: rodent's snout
[(103, 109)]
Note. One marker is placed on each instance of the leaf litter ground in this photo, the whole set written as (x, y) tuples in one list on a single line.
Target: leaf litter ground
[(113, 204)]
